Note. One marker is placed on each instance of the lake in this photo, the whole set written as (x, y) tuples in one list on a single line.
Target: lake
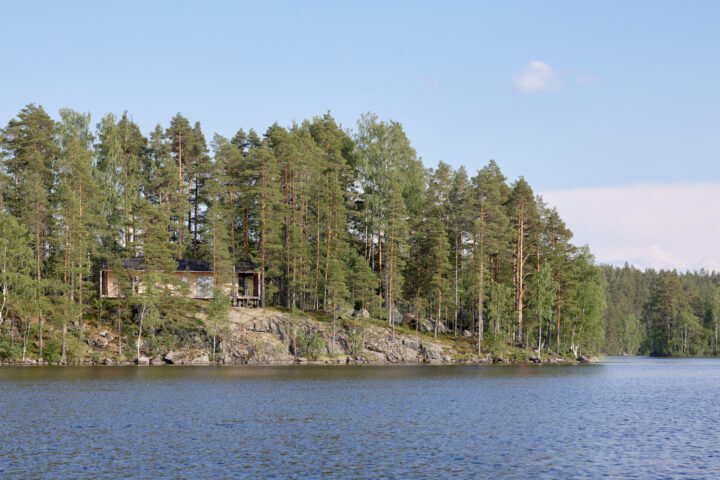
[(625, 418)]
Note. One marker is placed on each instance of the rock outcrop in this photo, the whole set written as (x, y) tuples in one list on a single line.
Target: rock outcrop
[(269, 336), (188, 357)]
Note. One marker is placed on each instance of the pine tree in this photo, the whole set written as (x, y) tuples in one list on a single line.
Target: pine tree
[(198, 171), (490, 234), (269, 228), (523, 212), (31, 151), (436, 265), (17, 288), (76, 217), (157, 290), (181, 137)]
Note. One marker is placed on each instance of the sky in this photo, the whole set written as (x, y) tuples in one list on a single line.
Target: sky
[(610, 109)]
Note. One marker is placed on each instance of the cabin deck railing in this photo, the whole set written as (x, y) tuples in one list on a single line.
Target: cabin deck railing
[(247, 301)]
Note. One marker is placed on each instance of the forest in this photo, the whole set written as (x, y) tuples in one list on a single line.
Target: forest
[(662, 313), (335, 218)]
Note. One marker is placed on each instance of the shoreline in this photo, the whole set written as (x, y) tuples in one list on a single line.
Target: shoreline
[(300, 362)]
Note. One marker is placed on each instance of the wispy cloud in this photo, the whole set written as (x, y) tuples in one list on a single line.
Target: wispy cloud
[(649, 226), (536, 77)]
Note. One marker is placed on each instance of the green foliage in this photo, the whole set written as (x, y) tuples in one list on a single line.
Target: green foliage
[(9, 350), (331, 217), (311, 345)]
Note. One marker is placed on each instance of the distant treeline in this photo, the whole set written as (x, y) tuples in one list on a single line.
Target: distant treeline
[(663, 313), (334, 218)]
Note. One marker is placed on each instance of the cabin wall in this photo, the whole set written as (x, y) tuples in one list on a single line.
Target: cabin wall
[(200, 284)]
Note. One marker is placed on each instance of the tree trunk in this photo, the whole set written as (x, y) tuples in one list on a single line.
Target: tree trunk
[(437, 320), (140, 324), (63, 354)]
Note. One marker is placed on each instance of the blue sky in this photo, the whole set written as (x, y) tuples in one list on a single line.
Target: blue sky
[(572, 95)]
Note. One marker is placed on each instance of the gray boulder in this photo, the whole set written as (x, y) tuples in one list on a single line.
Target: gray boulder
[(97, 342), (106, 334), (189, 357), (433, 353), (590, 359), (362, 313)]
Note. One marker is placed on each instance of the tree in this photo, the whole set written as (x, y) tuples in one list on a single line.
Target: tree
[(156, 288), (715, 315), (386, 164), (543, 294), (76, 217), (589, 298), (523, 212), (499, 310), (181, 137), (16, 269), (31, 149), (437, 264), (490, 233)]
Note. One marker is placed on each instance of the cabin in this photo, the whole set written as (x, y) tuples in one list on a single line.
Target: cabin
[(249, 287)]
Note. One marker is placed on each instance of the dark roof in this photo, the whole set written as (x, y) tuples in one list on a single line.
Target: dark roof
[(137, 263)]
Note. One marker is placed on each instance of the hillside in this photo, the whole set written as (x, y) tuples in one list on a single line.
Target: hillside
[(274, 336)]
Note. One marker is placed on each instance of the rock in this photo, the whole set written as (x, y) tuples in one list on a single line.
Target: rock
[(408, 319), (397, 316), (398, 349), (157, 361), (108, 361), (344, 311), (590, 359), (486, 360), (500, 360), (141, 360), (190, 357), (534, 358), (105, 334), (97, 342), (433, 353), (467, 334), (362, 313)]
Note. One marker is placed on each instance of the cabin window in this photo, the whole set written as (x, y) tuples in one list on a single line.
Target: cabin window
[(245, 286), (205, 287)]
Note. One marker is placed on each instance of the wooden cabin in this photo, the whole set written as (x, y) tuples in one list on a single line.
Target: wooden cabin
[(249, 287)]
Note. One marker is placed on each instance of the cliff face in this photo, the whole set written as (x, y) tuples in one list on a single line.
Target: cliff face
[(267, 336)]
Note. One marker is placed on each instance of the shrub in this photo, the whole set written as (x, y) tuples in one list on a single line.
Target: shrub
[(10, 350), (312, 346)]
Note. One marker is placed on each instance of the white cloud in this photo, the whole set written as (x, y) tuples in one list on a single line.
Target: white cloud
[(536, 77), (649, 226)]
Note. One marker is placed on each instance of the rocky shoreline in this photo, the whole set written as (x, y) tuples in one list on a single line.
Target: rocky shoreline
[(272, 337)]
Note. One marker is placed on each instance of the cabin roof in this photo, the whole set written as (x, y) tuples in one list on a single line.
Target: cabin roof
[(137, 263)]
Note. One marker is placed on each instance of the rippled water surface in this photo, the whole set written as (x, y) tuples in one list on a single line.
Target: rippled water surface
[(626, 418)]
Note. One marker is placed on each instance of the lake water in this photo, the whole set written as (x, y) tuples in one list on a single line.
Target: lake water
[(626, 418)]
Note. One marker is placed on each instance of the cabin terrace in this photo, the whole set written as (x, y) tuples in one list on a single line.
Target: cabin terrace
[(248, 290)]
